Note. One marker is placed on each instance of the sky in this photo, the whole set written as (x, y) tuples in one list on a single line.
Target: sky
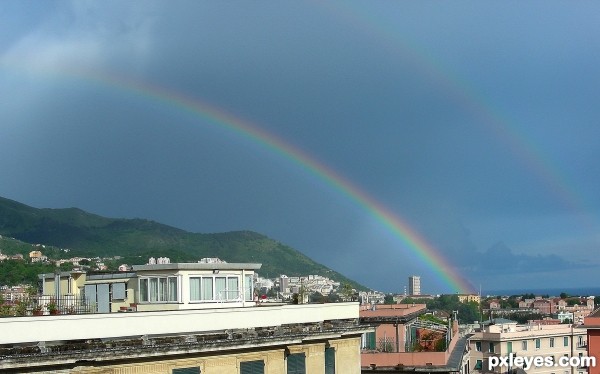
[(455, 141)]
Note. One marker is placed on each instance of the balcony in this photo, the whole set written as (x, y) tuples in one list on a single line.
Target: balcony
[(41, 305)]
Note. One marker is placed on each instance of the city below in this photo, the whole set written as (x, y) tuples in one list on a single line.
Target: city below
[(213, 316)]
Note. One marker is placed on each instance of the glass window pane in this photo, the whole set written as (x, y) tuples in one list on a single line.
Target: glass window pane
[(118, 291), (207, 289), (194, 289), (220, 287), (233, 288), (143, 290), (162, 289), (173, 289), (248, 287), (153, 289)]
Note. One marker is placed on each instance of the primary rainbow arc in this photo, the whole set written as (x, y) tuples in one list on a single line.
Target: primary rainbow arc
[(399, 228)]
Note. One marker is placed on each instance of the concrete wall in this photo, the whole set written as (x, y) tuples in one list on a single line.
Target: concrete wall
[(593, 340)]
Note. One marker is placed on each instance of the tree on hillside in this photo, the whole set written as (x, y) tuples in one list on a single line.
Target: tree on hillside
[(346, 292)]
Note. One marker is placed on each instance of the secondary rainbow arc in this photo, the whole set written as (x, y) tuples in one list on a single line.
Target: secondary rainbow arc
[(497, 122)]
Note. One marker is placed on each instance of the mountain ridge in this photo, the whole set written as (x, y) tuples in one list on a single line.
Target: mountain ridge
[(90, 235)]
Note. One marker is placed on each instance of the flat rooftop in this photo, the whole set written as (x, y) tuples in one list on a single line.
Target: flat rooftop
[(93, 352), (199, 266), (394, 312), (33, 329)]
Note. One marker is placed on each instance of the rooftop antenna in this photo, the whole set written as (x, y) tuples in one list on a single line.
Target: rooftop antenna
[(480, 309)]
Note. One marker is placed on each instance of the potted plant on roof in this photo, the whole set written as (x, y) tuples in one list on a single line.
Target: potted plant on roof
[(37, 310), (52, 307)]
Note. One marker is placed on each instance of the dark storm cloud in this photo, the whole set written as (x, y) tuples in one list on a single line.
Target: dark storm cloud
[(471, 121)]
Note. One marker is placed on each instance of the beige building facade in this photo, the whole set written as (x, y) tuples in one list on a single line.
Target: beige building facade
[(467, 298), (505, 338)]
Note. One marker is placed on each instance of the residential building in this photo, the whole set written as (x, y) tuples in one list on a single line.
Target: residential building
[(414, 285), (467, 298), (284, 283), (310, 338), (179, 318), (14, 293), (503, 338), (545, 306), (563, 316), (36, 256), (495, 304), (592, 327), (404, 343)]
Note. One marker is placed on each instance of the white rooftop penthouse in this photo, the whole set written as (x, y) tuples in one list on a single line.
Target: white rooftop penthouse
[(194, 285), (173, 286)]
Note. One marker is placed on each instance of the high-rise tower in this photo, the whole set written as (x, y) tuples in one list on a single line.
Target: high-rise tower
[(414, 285)]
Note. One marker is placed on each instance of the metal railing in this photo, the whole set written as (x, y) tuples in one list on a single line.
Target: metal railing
[(233, 295), (40, 305)]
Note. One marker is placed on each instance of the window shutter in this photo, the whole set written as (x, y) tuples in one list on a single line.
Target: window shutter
[(195, 370), (329, 360), (252, 367), (296, 363)]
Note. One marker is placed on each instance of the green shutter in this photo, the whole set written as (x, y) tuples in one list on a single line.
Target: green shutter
[(295, 363), (252, 367), (187, 371), (372, 343), (329, 360)]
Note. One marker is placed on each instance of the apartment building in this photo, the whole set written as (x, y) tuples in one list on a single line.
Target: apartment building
[(179, 319), (271, 339), (404, 343), (467, 298), (503, 338), (414, 285), (592, 327)]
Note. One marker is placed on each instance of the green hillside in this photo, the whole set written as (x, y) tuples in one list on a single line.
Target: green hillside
[(135, 240)]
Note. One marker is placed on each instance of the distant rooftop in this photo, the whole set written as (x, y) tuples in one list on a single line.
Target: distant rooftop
[(498, 321), (395, 312), (199, 266)]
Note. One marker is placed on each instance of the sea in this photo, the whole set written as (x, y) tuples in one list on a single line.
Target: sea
[(571, 291)]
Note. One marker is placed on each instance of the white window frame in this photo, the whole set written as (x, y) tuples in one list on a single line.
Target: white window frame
[(225, 295), (163, 283)]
